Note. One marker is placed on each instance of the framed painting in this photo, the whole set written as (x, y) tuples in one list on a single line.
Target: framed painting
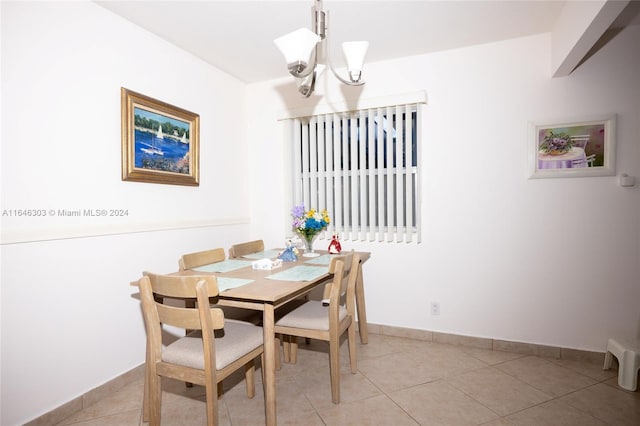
[(160, 142), (573, 148)]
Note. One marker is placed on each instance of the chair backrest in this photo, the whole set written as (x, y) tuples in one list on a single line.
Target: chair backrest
[(154, 288), (199, 258), (203, 317), (239, 250), (342, 290)]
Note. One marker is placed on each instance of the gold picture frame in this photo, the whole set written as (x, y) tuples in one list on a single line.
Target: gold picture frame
[(160, 142)]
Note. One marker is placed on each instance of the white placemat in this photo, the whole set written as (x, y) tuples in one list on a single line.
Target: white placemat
[(226, 283), (299, 273), (267, 254), (224, 266)]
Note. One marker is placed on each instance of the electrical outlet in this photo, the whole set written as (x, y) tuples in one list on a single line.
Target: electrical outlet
[(435, 308)]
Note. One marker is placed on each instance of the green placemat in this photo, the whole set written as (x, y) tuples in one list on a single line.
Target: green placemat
[(324, 259), (299, 273), (226, 283), (267, 254), (224, 266)]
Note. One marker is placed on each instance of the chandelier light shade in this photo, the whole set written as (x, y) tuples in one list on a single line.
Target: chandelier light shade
[(307, 53), (354, 52), (297, 48)]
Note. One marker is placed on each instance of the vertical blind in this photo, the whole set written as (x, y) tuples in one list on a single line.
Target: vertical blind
[(362, 166)]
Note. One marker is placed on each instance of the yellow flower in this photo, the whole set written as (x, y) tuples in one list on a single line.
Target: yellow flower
[(325, 216)]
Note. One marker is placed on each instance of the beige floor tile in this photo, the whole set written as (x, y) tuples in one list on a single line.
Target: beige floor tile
[(607, 403), (400, 381), (379, 410), (501, 421), (439, 403), (498, 391), (378, 346), (613, 382), (397, 371), (586, 368), (191, 411), (127, 399), (126, 418), (446, 360), (491, 357), (554, 413), (552, 379), (316, 386)]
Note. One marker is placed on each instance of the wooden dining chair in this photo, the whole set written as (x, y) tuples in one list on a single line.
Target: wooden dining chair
[(214, 350), (207, 257), (193, 260), (315, 320), (200, 258), (239, 250)]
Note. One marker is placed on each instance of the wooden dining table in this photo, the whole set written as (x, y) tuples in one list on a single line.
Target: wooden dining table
[(257, 289)]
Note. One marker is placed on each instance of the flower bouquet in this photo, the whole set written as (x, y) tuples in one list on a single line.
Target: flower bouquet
[(309, 224), (556, 144)]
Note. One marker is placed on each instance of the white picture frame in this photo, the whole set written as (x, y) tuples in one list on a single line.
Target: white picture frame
[(585, 147)]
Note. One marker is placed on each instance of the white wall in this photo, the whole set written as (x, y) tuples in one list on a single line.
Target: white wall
[(546, 261), (69, 321)]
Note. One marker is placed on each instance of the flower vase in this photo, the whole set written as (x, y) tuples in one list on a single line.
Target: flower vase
[(308, 246)]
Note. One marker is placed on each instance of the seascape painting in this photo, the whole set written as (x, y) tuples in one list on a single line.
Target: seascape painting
[(160, 142)]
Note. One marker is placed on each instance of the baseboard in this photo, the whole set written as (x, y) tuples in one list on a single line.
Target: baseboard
[(489, 343), (58, 414)]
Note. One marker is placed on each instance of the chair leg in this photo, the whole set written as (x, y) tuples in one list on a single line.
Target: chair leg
[(293, 349), (145, 395), (219, 389), (249, 375), (351, 334), (277, 347), (212, 395), (334, 368), (155, 399), (286, 348)]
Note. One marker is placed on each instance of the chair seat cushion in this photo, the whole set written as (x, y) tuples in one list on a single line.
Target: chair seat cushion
[(311, 315), (235, 340)]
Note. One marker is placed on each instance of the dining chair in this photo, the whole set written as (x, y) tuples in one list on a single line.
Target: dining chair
[(328, 319), (200, 258), (207, 257), (239, 250), (214, 350), (193, 260)]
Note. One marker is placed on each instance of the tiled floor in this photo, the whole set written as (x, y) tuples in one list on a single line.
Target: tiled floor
[(401, 382)]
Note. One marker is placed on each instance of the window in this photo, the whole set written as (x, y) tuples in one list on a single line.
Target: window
[(362, 166)]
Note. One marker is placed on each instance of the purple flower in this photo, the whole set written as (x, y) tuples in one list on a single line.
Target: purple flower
[(297, 211)]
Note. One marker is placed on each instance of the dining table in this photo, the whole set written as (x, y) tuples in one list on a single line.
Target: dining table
[(243, 286)]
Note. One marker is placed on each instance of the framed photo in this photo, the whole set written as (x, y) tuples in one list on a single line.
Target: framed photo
[(160, 142), (573, 148)]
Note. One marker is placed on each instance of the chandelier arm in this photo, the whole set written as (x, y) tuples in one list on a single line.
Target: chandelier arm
[(335, 73), (347, 82)]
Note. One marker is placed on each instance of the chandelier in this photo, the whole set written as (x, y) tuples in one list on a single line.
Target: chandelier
[(307, 53)]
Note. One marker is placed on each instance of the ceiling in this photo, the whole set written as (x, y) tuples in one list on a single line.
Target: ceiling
[(237, 36)]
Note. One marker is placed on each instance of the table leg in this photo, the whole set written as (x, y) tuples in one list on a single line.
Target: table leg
[(361, 308), (268, 330)]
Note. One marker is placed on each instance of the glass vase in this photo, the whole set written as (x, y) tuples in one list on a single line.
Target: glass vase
[(308, 246)]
